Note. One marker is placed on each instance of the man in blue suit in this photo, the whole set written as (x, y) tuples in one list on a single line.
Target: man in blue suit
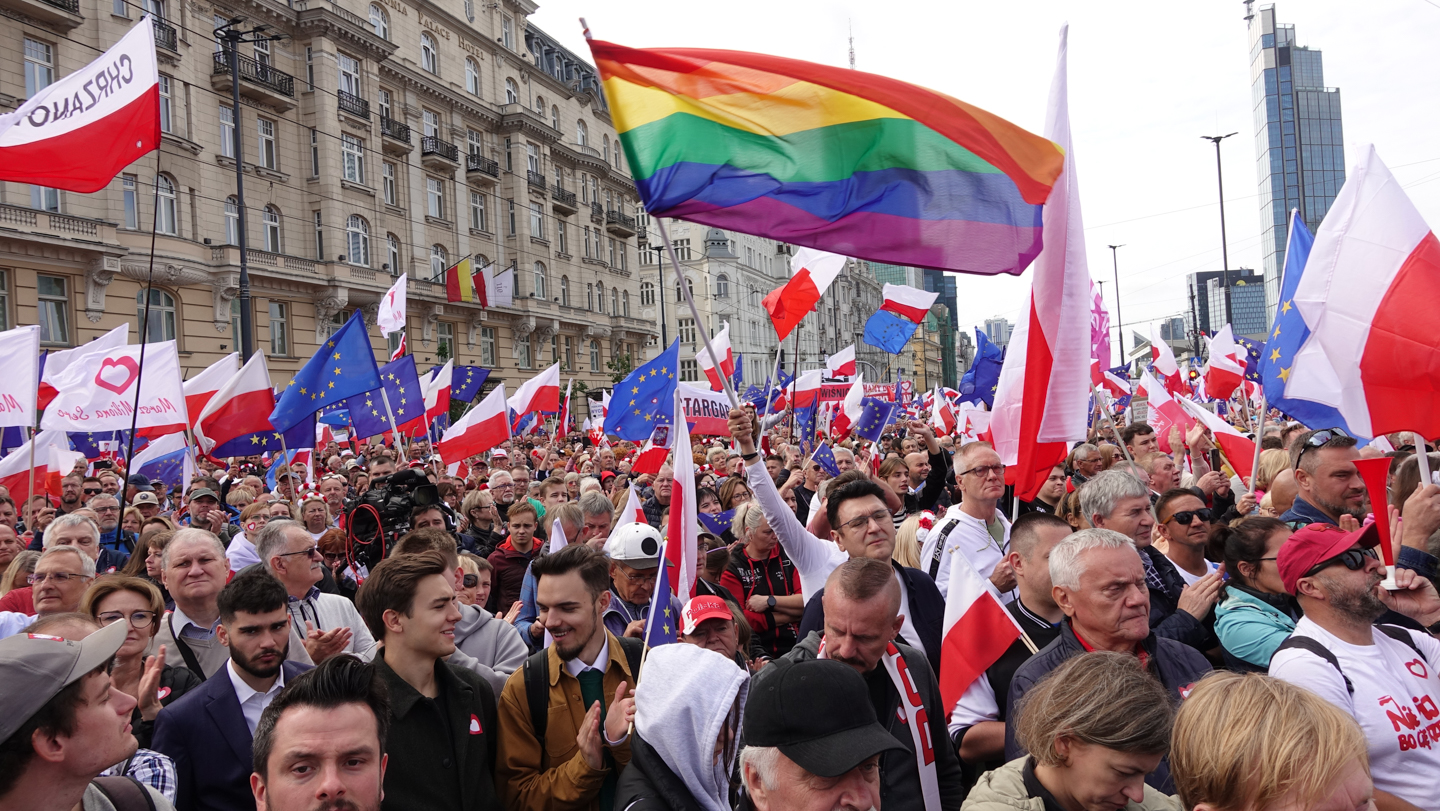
[(208, 732)]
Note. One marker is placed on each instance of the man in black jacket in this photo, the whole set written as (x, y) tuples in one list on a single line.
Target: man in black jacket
[(443, 724), (862, 620), (1099, 583)]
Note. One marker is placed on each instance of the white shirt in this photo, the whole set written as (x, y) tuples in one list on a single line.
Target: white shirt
[(1396, 702), (1191, 579), (251, 702), (575, 667), (971, 538)]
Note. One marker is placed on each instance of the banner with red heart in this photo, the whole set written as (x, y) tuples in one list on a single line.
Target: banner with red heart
[(117, 374)]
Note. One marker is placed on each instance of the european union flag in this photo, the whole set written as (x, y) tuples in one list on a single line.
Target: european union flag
[(343, 367), (402, 386), (466, 382), (336, 417), (738, 380), (301, 435), (889, 331), (643, 399), (1288, 333), (12, 438), (826, 458), (754, 396), (95, 445), (718, 523), (983, 376), (873, 419), (663, 625), (1254, 350)]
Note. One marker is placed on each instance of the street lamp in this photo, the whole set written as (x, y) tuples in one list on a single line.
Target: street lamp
[(1224, 249), (1119, 323)]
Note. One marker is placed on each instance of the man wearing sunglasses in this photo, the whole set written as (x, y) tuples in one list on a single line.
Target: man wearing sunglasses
[(325, 624), (1388, 681)]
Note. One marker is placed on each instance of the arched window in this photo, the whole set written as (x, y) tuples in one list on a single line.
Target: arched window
[(169, 218), (161, 326), (392, 243), (232, 221), (357, 234), (555, 117), (540, 105), (647, 294), (582, 133), (600, 296), (429, 56), (270, 225), (472, 76), (438, 261), (380, 21), (565, 290), (605, 150), (539, 280), (594, 356), (722, 286), (625, 303), (512, 91)]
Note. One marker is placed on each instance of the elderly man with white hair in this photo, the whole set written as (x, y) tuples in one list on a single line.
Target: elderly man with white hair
[(74, 531), (324, 624), (61, 576), (502, 486)]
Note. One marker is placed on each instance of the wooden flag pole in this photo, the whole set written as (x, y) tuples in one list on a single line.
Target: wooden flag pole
[(695, 312), (1259, 436)]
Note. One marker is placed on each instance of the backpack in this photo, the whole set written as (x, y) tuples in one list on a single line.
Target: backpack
[(945, 530), (537, 682), (1305, 643), (125, 793)]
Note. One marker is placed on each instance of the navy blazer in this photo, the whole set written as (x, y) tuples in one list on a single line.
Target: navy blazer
[(926, 611), (205, 733)]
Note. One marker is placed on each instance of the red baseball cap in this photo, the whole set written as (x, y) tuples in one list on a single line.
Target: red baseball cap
[(699, 609), (1315, 543)]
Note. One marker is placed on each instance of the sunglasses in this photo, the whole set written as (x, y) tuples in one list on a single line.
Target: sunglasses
[(1186, 517), (1319, 439), (471, 580), (1353, 559)]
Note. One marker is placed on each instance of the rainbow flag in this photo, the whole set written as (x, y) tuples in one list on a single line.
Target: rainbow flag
[(828, 158), (459, 283)]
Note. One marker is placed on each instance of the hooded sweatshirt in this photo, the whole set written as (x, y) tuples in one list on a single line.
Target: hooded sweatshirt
[(688, 697), (487, 645)]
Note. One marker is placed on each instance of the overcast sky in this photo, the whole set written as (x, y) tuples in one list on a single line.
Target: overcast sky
[(1146, 81)]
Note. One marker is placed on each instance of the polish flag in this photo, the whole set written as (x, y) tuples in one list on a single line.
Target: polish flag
[(978, 631), (242, 406), (200, 388), (53, 461), (562, 425), (908, 302), (1224, 371), (1042, 396), (841, 364), (437, 392), (811, 273), (805, 390), (399, 350), (720, 342), (634, 511), (1368, 296), (851, 408), (1109, 381), (653, 454), (57, 362), (79, 132), (482, 428), (942, 415), (391, 315), (540, 393), (1164, 362), (973, 423), (683, 538), (1164, 411), (1239, 449)]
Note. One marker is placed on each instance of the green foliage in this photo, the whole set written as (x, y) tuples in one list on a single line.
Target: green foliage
[(619, 367)]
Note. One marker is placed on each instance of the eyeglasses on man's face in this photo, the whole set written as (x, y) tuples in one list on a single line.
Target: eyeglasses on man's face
[(879, 517)]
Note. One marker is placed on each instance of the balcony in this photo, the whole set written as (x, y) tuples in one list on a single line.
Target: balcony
[(597, 213), (60, 14), (621, 225), (395, 135), (165, 35), (257, 81), (439, 155), (478, 165), (535, 180), (354, 105), (564, 201)]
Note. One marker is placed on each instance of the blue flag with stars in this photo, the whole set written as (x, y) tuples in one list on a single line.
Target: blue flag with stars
[(876, 415), (643, 398), (825, 457), (466, 382), (983, 376), (301, 435), (716, 524), (1254, 350), (401, 386), (343, 367), (662, 626), (1288, 334), (738, 379)]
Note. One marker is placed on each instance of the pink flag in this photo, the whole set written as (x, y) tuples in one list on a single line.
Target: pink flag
[(1099, 327)]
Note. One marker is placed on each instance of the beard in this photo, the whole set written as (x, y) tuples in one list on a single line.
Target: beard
[(1338, 509), (248, 665), (1359, 604), (345, 804), (571, 646)]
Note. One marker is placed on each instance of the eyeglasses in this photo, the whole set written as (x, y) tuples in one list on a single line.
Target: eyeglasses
[(1299, 523), (308, 552), (640, 577), (984, 471), (137, 619), (1319, 439), (333, 557), (1353, 559), (470, 580), (1186, 517), (59, 578), (106, 509), (880, 517)]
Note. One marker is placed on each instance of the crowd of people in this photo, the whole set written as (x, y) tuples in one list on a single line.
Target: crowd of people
[(1191, 639)]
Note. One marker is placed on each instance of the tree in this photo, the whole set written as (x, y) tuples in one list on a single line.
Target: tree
[(619, 367)]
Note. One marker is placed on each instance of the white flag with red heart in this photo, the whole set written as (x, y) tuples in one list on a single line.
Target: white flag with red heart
[(99, 392)]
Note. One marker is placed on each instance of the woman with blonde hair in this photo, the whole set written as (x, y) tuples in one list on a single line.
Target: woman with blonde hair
[(1247, 742), (20, 568), (908, 542), (1271, 463)]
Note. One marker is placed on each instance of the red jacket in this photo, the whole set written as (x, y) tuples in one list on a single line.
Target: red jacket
[(509, 576), (774, 575), (19, 599)]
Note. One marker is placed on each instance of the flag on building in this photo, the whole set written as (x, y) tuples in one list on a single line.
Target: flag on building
[(482, 428), (811, 272), (640, 400), (342, 367), (900, 314), (390, 317), (460, 283), (723, 362), (841, 365)]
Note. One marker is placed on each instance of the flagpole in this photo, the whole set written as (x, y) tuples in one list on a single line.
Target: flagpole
[(33, 433), (1098, 395), (1259, 435), (390, 415), (794, 382), (770, 382), (144, 339), (695, 312)]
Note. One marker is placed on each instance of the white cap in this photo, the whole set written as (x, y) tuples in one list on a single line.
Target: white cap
[(636, 545)]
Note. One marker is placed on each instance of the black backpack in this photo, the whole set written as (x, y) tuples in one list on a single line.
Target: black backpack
[(1305, 643), (537, 682)]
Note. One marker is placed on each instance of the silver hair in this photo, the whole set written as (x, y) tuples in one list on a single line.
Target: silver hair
[(749, 515), (1101, 494), (1085, 451), (190, 534), (67, 521), (272, 537), (595, 503), (839, 452), (766, 762), (98, 496), (823, 488), (1066, 567), (495, 477), (87, 563)]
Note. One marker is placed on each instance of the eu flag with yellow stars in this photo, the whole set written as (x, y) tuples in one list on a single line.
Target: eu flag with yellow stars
[(876, 415), (343, 367), (466, 382), (662, 626), (642, 400), (401, 386)]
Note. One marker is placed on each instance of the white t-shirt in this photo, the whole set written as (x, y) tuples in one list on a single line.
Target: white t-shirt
[(1396, 702), (1191, 579)]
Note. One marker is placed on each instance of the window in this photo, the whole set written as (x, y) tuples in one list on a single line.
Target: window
[(227, 130), (235, 321), (540, 280), (132, 203), (270, 222), (614, 301), (555, 117), (220, 22), (4, 300), (262, 55), (625, 303), (166, 105), (537, 221), (384, 104), (540, 105), (445, 336), (487, 346), (509, 164), (621, 251), (352, 152), (39, 66), (477, 211), (510, 212), (161, 326), (606, 151), (349, 68), (595, 189), (512, 91), (380, 21), (279, 336), (387, 183), (584, 188), (53, 309), (611, 241), (475, 142), (559, 177), (522, 351), (507, 32), (565, 291), (472, 76), (569, 354), (265, 130), (430, 120), (532, 158), (310, 67), (689, 371), (392, 244), (429, 57), (560, 237), (435, 198), (686, 330), (232, 221), (318, 219), (439, 261), (722, 286), (600, 296), (647, 294), (589, 296), (582, 133), (587, 241), (594, 356), (357, 232), (168, 218), (314, 152)]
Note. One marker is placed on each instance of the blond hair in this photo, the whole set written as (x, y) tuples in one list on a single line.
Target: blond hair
[(907, 543), (1272, 461), (1245, 741), (1101, 699)]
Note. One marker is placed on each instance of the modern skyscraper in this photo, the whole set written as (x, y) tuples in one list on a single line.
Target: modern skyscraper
[(1299, 146)]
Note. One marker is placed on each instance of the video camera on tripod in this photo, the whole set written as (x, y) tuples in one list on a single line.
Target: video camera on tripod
[(381, 514)]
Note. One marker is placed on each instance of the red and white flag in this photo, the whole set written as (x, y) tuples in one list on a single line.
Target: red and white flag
[(1163, 411), (20, 347), (53, 461), (79, 132), (942, 414), (399, 350), (682, 541), (200, 388), (1239, 449), (1107, 380), (1041, 398), (103, 391), (1225, 370), (653, 454), (841, 365), (978, 631), (539, 393), (391, 315), (851, 408), (242, 406), (437, 392), (720, 342), (58, 362), (1163, 359), (562, 425), (483, 427), (811, 273)]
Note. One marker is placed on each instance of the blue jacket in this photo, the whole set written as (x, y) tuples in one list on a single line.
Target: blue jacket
[(528, 612), (205, 733), (1251, 628)]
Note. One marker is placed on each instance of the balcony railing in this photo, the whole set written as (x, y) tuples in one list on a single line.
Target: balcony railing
[(480, 163), (390, 128), (354, 105), (623, 220), (535, 179), (257, 73), (563, 197), (430, 145), (72, 6), (164, 32), (597, 212)]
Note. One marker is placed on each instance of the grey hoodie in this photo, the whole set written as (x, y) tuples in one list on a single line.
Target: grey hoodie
[(487, 645)]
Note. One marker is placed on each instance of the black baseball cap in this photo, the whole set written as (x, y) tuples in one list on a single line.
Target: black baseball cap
[(818, 714)]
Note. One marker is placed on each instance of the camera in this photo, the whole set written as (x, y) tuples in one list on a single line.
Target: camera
[(386, 507)]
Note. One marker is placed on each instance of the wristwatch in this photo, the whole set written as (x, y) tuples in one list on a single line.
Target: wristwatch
[(770, 601)]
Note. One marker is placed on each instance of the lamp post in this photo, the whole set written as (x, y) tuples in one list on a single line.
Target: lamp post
[(1119, 322), (1224, 248)]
